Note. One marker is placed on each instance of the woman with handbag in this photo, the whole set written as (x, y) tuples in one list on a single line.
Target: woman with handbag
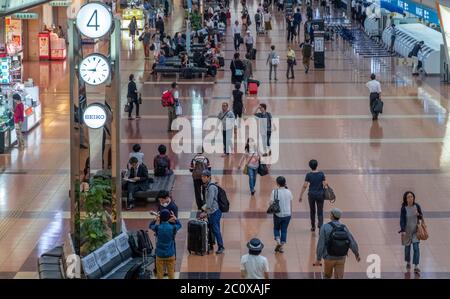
[(281, 208), (132, 97), (411, 221), (133, 28), (251, 159), (237, 68)]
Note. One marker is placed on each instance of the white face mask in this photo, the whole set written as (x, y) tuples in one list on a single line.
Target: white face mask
[(165, 204)]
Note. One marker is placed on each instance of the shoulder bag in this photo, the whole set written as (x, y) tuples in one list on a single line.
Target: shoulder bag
[(422, 231), (237, 72), (245, 170), (275, 205), (329, 194)]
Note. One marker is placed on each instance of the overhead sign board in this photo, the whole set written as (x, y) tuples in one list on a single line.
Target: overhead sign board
[(60, 3), (26, 16), (424, 12)]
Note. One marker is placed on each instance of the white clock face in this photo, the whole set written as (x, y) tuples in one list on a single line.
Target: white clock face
[(94, 20), (94, 69)]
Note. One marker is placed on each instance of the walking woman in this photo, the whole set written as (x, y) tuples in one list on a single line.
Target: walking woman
[(132, 97), (410, 215), (251, 159), (238, 104), (290, 62), (237, 68), (281, 220), (316, 182), (133, 28)]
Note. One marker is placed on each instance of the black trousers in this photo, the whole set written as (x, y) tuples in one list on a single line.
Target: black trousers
[(135, 102), (237, 41), (198, 193), (249, 47), (290, 68), (291, 34), (373, 97), (313, 203)]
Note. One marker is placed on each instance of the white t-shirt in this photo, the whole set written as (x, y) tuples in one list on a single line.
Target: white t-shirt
[(374, 86), (285, 198), (254, 266)]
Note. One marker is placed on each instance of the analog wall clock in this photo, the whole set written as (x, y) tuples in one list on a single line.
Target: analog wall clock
[(94, 69), (94, 20)]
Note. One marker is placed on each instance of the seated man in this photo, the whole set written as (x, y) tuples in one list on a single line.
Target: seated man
[(137, 179), (161, 163)]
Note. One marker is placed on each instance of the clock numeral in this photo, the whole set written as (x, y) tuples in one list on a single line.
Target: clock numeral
[(94, 18)]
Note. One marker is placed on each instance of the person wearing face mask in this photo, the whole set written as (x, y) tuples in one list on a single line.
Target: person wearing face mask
[(165, 202)]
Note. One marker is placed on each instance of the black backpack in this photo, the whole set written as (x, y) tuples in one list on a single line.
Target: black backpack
[(338, 242), (224, 204), (140, 242), (162, 165)]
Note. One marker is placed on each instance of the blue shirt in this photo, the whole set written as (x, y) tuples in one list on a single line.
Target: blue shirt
[(297, 18), (165, 238)]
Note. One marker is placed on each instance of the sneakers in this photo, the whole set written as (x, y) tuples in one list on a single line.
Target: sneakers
[(416, 269), (408, 267), (130, 206), (313, 229), (220, 250)]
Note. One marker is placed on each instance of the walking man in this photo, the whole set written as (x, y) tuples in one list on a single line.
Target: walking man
[(375, 92), (273, 60), (236, 29), (226, 116), (334, 242)]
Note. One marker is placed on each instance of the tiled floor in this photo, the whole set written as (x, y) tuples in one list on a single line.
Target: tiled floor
[(323, 115)]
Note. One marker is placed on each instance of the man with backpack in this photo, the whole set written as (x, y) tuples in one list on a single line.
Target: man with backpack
[(165, 251), (169, 99), (161, 162), (334, 242), (198, 164), (212, 208)]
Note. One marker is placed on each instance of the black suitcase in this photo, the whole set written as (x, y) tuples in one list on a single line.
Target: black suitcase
[(253, 54), (197, 237)]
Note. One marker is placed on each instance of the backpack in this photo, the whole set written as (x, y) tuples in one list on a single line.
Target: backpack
[(162, 165), (199, 166), (167, 99), (222, 199), (258, 18), (140, 242), (339, 242)]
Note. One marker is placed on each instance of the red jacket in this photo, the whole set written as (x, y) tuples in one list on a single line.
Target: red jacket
[(18, 113)]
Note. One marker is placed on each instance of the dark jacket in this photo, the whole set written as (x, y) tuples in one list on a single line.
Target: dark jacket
[(132, 90), (172, 207), (403, 216), (142, 174)]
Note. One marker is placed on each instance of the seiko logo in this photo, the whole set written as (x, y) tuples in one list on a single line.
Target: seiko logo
[(94, 116)]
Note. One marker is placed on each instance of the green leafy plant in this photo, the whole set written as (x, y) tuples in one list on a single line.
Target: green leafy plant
[(93, 232), (94, 228)]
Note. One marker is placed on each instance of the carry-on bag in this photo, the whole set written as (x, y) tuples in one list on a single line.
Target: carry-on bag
[(252, 88), (197, 237)]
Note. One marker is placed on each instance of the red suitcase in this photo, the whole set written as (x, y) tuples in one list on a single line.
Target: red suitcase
[(252, 88)]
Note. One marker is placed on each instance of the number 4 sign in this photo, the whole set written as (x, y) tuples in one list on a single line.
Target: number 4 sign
[(94, 20)]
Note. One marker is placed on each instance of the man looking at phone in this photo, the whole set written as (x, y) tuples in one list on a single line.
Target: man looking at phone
[(166, 202), (137, 180), (165, 251)]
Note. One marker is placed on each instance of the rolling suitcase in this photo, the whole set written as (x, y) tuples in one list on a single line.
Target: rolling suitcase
[(252, 88), (197, 237)]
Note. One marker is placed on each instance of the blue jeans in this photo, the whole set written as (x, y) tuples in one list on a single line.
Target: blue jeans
[(416, 253), (280, 224), (252, 178), (214, 219)]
